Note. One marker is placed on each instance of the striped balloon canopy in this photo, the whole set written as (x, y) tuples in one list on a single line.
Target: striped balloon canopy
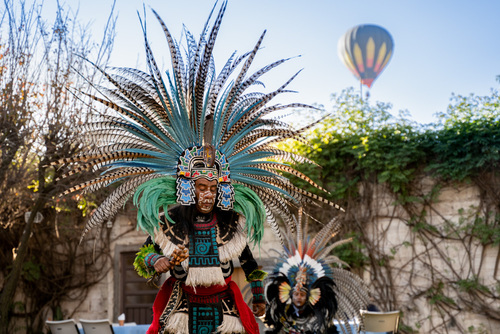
[(365, 50)]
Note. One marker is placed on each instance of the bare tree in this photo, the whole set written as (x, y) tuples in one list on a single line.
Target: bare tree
[(41, 66)]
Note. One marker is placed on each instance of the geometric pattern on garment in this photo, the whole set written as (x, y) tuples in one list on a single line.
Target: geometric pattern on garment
[(205, 315), (230, 245), (204, 264)]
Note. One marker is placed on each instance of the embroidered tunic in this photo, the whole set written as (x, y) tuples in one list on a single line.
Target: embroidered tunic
[(201, 296)]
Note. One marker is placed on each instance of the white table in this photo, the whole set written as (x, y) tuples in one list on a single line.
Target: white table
[(126, 329), (134, 329)]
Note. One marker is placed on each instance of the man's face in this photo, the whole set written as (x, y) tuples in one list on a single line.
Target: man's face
[(205, 192), (299, 298)]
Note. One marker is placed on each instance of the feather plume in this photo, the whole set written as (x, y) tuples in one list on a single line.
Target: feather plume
[(157, 117), (334, 293), (274, 225)]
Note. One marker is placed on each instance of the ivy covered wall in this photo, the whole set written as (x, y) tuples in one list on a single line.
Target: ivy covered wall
[(423, 204)]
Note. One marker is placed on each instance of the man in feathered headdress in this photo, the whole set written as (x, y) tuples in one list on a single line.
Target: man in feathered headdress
[(201, 141), (203, 235), (305, 294)]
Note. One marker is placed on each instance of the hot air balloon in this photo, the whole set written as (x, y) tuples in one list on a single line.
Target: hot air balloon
[(365, 50)]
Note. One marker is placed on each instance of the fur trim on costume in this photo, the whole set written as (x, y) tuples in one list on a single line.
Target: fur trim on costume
[(233, 248), (205, 276), (165, 244), (231, 324), (178, 323)]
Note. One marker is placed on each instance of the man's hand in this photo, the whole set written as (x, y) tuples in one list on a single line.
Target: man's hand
[(164, 264), (259, 309)]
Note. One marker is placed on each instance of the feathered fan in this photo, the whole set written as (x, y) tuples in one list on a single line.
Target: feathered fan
[(157, 120)]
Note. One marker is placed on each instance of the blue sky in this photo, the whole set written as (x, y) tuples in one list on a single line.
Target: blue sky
[(441, 47)]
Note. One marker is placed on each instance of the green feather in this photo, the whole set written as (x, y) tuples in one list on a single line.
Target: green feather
[(161, 192), (247, 203), (140, 265), (256, 275), (149, 198)]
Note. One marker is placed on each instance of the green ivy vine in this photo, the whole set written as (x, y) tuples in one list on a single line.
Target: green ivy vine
[(359, 144)]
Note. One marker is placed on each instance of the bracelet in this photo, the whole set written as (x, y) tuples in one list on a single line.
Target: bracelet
[(151, 259), (257, 291)]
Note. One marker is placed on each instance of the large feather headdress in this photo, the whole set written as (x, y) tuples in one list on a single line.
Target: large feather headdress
[(162, 123), (308, 265)]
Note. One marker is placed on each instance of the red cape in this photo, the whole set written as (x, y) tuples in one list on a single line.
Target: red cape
[(161, 300)]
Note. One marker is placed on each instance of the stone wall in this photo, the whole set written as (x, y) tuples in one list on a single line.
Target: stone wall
[(418, 267)]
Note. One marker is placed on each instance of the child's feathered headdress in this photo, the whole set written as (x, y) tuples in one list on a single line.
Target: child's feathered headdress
[(166, 132), (333, 292)]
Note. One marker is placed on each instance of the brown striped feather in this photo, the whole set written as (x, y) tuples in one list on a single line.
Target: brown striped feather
[(236, 87), (105, 158), (115, 201)]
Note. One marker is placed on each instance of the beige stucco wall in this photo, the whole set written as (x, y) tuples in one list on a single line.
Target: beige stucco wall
[(418, 262), (100, 302)]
